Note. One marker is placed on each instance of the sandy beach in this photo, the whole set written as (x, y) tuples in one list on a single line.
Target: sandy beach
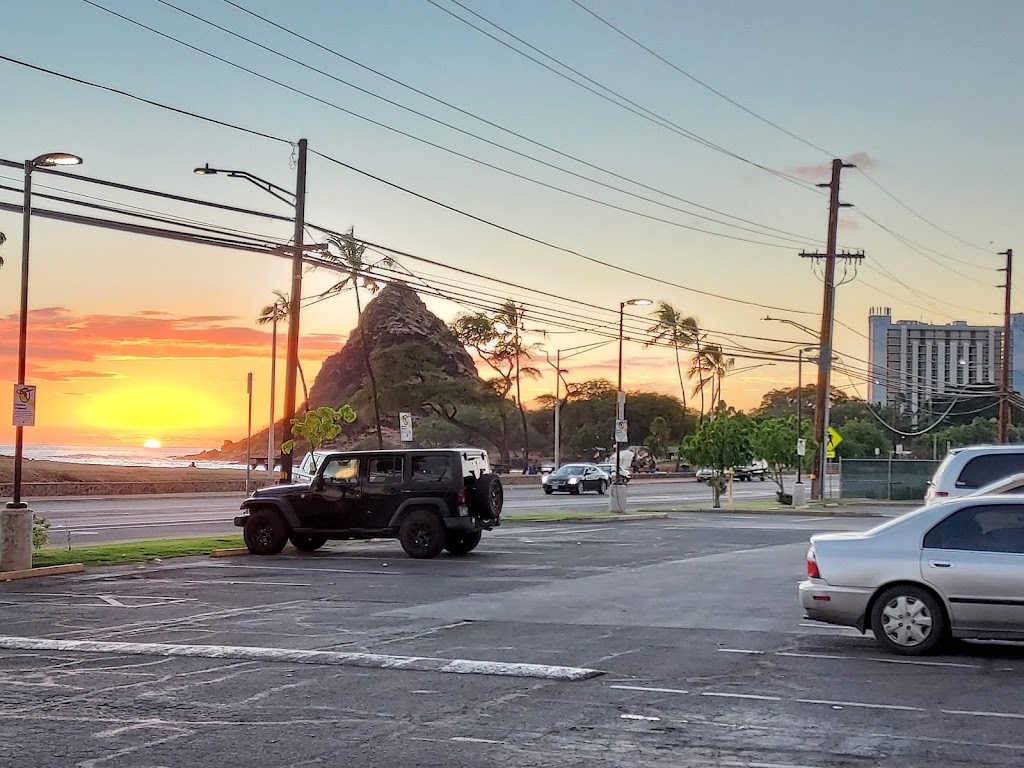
[(42, 471)]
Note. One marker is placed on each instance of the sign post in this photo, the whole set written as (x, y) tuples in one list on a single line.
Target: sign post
[(405, 426)]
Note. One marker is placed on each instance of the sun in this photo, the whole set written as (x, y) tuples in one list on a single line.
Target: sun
[(152, 443)]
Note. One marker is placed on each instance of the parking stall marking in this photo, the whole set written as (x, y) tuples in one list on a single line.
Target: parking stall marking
[(841, 657), (859, 704), (975, 713)]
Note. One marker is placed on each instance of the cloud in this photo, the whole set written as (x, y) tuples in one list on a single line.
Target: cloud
[(61, 342), (848, 224), (823, 171)]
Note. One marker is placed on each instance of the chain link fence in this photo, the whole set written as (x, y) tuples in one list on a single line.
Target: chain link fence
[(888, 479)]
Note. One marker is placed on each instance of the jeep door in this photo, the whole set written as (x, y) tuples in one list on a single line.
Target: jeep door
[(337, 506), (382, 490)]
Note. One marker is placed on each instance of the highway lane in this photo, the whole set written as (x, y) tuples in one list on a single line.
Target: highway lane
[(93, 520)]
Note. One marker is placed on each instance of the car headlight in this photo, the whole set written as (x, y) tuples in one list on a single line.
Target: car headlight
[(544, 479), (573, 480)]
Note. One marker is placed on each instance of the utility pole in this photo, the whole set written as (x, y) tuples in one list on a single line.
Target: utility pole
[(295, 300), (1004, 383), (558, 408), (827, 320)]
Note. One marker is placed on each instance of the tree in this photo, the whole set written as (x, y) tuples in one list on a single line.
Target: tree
[(679, 332), (354, 267), (496, 338), (860, 439), (720, 444), (281, 309), (774, 441), (659, 436), (318, 426), (3, 239), (979, 431), (709, 366)]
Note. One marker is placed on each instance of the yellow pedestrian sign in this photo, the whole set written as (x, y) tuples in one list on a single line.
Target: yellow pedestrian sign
[(834, 439)]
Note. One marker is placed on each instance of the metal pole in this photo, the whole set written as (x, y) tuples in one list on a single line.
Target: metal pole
[(1004, 380), (248, 436), (799, 409), (271, 449), (558, 409), (619, 411), (26, 225), (295, 300)]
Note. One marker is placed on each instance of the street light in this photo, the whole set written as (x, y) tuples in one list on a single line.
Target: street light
[(617, 500), (298, 201), (17, 512)]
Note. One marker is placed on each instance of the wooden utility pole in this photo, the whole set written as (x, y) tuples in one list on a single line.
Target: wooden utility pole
[(1004, 381), (295, 304), (827, 321)]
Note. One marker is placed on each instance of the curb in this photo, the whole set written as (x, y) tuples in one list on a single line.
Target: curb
[(44, 570), (234, 552), (791, 511), (602, 519)]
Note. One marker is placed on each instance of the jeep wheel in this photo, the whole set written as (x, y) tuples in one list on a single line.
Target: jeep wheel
[(265, 532), (422, 534), (307, 542), (488, 496), (462, 543)]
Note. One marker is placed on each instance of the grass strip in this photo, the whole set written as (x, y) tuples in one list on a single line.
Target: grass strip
[(134, 551)]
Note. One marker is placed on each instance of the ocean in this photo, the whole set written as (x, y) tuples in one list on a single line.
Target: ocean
[(122, 455)]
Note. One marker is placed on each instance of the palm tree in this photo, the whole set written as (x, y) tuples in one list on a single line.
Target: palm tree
[(281, 309), (710, 365), (680, 333), (511, 317), (354, 267), (3, 239)]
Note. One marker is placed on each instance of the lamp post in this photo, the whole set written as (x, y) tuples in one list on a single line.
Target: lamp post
[(617, 496), (298, 201), (16, 520)]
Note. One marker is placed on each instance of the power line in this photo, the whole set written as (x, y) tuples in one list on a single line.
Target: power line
[(382, 181), (569, 251), (700, 82), (635, 108), (435, 145), (486, 121)]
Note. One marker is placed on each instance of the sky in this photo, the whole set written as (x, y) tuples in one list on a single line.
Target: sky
[(132, 338)]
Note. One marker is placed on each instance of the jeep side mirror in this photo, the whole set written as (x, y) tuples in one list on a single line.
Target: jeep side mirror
[(318, 483)]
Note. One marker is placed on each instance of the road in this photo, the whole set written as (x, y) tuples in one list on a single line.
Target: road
[(653, 644), (121, 518)]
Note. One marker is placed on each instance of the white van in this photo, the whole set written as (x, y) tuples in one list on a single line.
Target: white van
[(965, 470)]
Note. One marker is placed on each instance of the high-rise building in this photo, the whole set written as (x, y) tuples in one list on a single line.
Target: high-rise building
[(913, 362)]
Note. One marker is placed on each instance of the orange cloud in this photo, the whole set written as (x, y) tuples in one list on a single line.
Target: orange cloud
[(822, 171)]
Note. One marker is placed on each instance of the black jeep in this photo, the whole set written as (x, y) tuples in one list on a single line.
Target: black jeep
[(429, 499)]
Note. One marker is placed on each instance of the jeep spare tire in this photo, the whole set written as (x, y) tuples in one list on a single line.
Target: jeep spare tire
[(422, 534), (265, 532), (488, 496)]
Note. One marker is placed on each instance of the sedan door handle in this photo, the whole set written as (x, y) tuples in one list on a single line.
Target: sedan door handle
[(940, 564)]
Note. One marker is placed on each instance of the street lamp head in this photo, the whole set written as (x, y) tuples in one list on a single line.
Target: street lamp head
[(51, 159), (206, 170), (639, 302)]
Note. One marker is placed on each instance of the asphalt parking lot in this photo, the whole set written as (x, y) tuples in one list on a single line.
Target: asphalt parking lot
[(672, 642)]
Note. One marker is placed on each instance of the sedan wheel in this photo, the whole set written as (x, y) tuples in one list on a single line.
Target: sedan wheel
[(907, 620)]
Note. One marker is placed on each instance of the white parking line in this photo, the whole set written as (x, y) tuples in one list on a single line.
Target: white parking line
[(295, 656), (640, 717), (746, 764), (652, 690), (751, 696), (878, 659), (860, 704), (474, 740), (741, 651), (970, 713)]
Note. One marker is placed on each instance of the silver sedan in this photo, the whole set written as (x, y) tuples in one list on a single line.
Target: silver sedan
[(955, 569)]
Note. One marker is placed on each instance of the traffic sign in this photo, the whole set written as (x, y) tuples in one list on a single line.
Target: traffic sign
[(621, 431), (834, 439), (405, 426), (24, 405), (801, 446)]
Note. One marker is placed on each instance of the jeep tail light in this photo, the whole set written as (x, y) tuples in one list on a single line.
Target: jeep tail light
[(812, 564), (462, 496)]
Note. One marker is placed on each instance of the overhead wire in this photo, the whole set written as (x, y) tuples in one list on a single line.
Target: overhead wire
[(495, 125), (449, 150)]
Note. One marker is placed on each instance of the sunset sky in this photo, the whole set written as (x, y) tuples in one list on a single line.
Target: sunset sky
[(132, 338)]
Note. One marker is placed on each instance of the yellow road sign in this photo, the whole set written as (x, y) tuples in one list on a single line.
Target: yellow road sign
[(834, 439)]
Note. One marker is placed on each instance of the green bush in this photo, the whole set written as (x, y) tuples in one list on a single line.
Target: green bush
[(40, 531)]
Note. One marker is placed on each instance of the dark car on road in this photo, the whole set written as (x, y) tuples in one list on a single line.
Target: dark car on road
[(576, 478), (430, 500)]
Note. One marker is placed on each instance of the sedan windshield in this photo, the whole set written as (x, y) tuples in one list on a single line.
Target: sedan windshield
[(569, 469)]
